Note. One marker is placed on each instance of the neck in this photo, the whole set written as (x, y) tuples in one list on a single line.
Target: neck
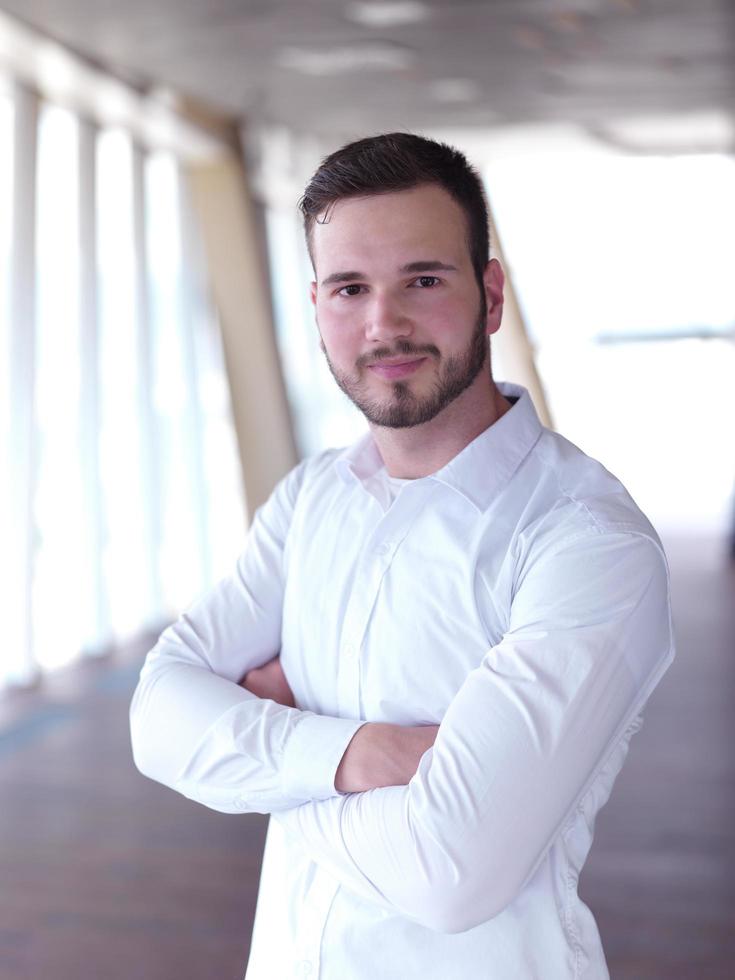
[(423, 449)]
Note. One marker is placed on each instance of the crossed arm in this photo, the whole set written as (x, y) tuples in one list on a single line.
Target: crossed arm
[(377, 755), (438, 824), (519, 748)]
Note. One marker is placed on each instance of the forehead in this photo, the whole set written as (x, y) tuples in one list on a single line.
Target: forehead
[(398, 226)]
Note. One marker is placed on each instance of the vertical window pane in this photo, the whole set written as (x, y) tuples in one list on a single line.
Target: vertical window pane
[(180, 571), (226, 515), (7, 661), (6, 219), (6, 215), (120, 449), (57, 606)]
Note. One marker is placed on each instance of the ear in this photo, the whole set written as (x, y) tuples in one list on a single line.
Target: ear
[(494, 280), (312, 293)]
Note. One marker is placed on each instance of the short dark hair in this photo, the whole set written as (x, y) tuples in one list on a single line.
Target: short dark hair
[(396, 162)]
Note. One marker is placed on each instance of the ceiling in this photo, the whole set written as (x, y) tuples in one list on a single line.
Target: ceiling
[(334, 68)]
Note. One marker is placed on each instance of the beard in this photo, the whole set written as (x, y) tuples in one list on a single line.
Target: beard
[(401, 408)]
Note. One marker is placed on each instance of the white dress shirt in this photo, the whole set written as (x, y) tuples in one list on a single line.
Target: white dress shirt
[(519, 599)]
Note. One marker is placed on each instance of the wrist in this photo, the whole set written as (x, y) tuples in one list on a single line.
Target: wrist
[(350, 775), (381, 754), (366, 762)]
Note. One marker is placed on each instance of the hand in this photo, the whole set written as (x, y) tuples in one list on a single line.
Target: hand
[(383, 755), (269, 681)]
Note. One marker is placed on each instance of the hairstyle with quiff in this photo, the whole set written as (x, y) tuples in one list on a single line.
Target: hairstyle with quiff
[(396, 162)]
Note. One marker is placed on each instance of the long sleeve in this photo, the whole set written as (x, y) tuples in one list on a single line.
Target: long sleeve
[(519, 746), (195, 730)]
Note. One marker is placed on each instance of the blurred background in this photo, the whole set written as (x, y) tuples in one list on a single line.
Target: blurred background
[(159, 371)]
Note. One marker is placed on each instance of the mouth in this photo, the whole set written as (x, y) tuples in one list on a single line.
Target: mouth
[(391, 370)]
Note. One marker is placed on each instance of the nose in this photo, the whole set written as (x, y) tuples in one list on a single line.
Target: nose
[(386, 320)]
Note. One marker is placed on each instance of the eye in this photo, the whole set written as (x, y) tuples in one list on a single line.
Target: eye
[(426, 282), (352, 290)]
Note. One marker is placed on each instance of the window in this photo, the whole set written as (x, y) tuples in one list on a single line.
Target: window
[(624, 268), (58, 580), (134, 501)]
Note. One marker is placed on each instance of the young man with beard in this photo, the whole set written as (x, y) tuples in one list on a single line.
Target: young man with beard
[(436, 645)]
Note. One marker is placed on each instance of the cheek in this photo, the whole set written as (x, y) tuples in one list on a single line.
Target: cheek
[(337, 336), (448, 319)]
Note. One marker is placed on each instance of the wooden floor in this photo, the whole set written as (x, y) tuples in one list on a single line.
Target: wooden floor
[(105, 876)]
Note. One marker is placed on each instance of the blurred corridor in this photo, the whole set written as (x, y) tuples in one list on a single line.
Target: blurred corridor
[(160, 371)]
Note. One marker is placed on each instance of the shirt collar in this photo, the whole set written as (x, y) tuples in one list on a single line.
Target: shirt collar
[(483, 467)]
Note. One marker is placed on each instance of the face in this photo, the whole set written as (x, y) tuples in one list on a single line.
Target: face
[(402, 318)]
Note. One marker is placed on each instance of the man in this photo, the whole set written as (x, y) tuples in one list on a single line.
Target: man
[(445, 634)]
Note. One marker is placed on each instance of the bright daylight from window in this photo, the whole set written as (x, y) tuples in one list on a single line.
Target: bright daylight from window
[(613, 258)]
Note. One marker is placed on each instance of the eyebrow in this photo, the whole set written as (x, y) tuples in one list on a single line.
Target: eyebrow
[(433, 265), (342, 277)]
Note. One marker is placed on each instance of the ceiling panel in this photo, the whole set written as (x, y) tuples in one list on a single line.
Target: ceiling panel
[(465, 63)]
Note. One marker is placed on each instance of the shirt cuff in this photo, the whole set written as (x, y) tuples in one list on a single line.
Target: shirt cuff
[(313, 753)]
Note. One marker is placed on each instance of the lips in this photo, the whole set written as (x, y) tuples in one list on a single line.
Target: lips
[(392, 370)]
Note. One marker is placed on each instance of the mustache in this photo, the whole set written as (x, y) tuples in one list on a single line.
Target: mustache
[(402, 347)]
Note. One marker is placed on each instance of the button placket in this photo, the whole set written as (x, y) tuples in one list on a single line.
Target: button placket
[(313, 920), (377, 555), (357, 616)]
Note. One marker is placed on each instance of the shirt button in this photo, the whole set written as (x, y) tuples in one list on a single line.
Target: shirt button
[(305, 968), (350, 650), (384, 549)]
